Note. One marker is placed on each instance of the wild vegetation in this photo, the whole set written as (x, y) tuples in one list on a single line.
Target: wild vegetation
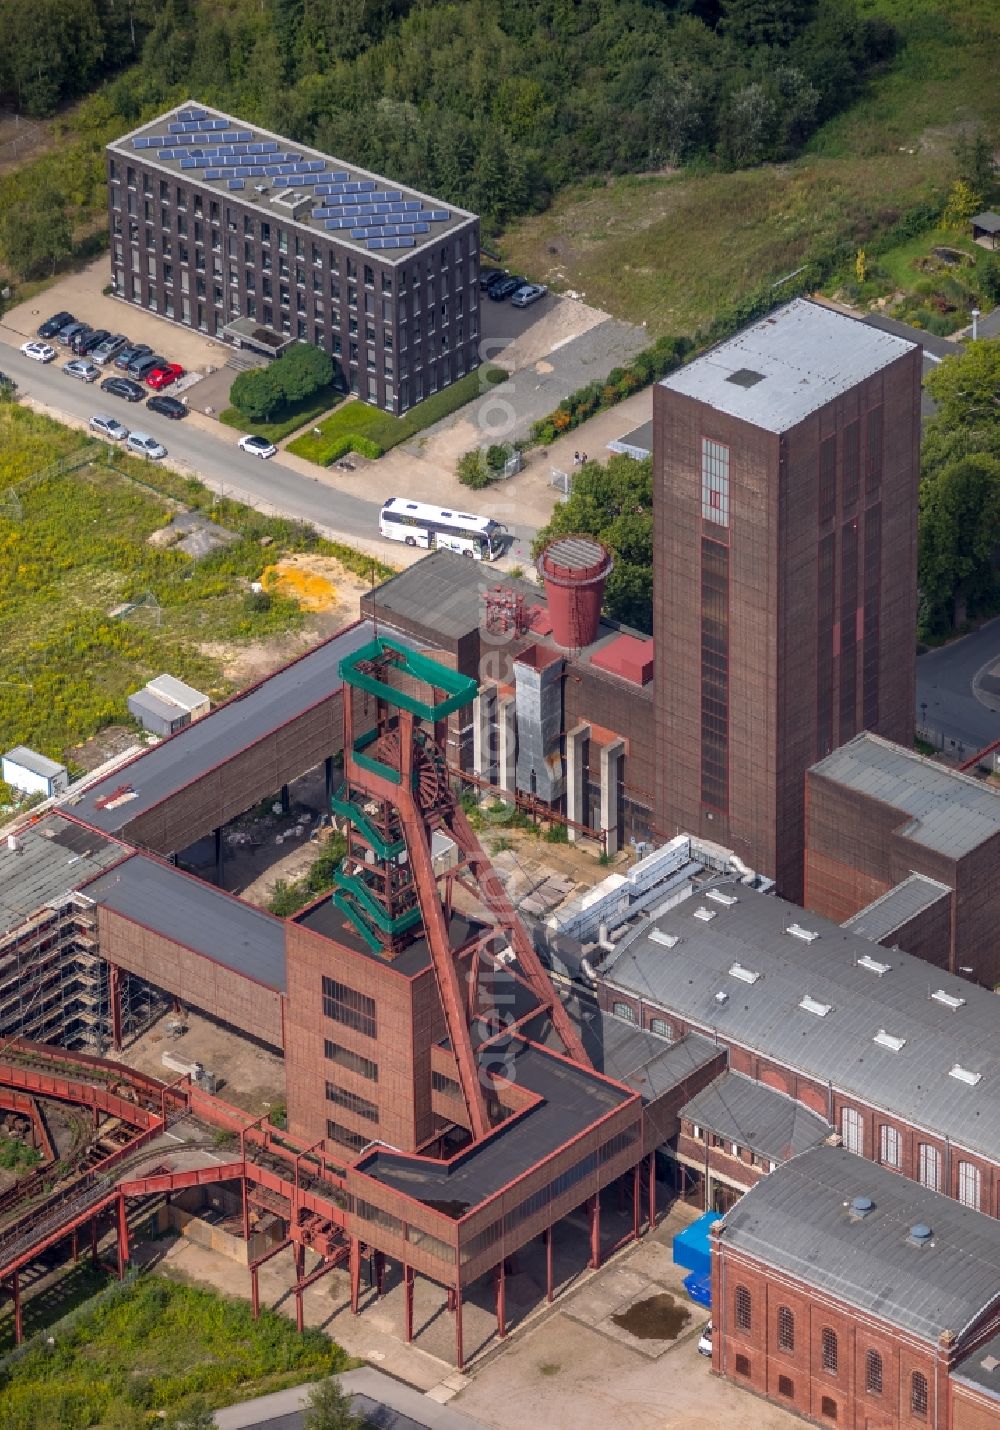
[(150, 1346), (288, 896), (74, 546)]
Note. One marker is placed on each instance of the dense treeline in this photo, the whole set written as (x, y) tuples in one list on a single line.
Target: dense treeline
[(494, 104)]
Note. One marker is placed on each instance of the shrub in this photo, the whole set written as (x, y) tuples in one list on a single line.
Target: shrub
[(473, 470)]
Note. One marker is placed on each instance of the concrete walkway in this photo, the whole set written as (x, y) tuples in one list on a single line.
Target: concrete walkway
[(368, 1388)]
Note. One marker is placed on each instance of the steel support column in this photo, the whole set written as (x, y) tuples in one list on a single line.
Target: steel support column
[(636, 1200), (501, 1302), (286, 802), (379, 1259), (548, 1264), (75, 1246), (459, 1353), (15, 1287), (115, 994), (254, 1293), (355, 1273), (652, 1191), (122, 1216), (93, 1240), (595, 1231), (219, 857), (328, 781), (408, 1301)]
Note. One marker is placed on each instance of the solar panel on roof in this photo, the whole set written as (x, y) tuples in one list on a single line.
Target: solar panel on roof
[(383, 243), (237, 183), (437, 215)]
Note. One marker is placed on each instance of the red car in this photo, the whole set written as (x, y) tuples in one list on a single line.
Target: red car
[(164, 376)]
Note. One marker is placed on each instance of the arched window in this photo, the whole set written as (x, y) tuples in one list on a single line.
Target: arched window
[(852, 1130), (742, 1306), (623, 1010), (969, 1185), (918, 1394), (786, 1329), (873, 1373), (830, 1353)]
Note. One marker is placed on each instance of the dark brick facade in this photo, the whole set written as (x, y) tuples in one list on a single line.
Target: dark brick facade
[(820, 558)]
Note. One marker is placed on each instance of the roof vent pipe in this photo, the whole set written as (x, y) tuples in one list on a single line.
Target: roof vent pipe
[(860, 1207), (920, 1234)]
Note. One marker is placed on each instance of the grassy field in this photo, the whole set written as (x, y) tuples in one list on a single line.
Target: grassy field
[(340, 432), (151, 1346), (74, 546), (674, 250), (300, 414)]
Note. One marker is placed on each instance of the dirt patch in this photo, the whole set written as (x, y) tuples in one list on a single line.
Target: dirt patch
[(249, 1076), (113, 740), (658, 1318), (313, 581)]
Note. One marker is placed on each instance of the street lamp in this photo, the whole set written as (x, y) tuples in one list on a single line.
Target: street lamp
[(975, 324)]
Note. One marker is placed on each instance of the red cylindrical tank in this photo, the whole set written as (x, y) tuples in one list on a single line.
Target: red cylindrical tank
[(574, 569)]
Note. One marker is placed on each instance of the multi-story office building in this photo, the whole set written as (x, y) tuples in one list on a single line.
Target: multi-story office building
[(241, 234), (784, 603)]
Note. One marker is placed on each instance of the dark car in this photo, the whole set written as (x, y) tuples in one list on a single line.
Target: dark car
[(84, 342), (490, 275), (129, 354), (67, 334), (54, 325), (123, 387), (496, 277), (144, 364), (500, 291), (167, 407)]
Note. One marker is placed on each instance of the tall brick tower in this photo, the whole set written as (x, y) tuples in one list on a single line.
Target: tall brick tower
[(785, 588)]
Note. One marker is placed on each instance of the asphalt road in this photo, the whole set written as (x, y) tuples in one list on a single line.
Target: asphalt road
[(945, 680), (271, 486)]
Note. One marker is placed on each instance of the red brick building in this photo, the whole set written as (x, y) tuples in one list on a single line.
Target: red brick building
[(878, 815), (784, 606), (855, 1300)]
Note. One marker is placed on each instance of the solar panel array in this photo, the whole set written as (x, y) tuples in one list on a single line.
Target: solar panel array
[(382, 218)]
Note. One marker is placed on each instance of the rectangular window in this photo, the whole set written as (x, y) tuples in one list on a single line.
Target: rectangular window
[(825, 590), (890, 1154), (360, 1106), (969, 1185), (354, 1140), (447, 1085), (714, 674), (873, 466), (827, 480), (930, 1167), (714, 482), (871, 653), (353, 1062), (345, 1005), (852, 463), (852, 1131), (848, 630)]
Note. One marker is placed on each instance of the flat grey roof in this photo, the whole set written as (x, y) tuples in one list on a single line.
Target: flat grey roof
[(148, 700), (241, 722), (56, 856), (33, 761), (799, 1220), (779, 370), (445, 593), (949, 812), (987, 220), (890, 911), (981, 1369), (336, 214), (637, 443), (168, 687), (201, 917), (745, 952), (573, 1100), (756, 1117)]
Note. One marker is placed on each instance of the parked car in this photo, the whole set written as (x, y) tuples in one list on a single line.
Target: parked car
[(67, 334), (490, 275), (54, 325), (167, 407), (41, 352), (110, 348), (80, 341), (80, 368), (500, 291), (257, 446), (144, 364), (164, 376), (705, 1340), (107, 426), (528, 294), (123, 387), (84, 346), (130, 354), (145, 446), (497, 275)]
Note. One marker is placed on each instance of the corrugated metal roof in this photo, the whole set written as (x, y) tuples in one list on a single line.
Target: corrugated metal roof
[(147, 702), (197, 915), (756, 1117), (889, 912), (778, 371), (799, 1220), (950, 812), (55, 857), (982, 1368), (33, 761), (837, 971)]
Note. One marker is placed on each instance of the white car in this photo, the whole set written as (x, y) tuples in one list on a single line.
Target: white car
[(143, 445), (85, 371), (41, 352), (528, 294), (705, 1340), (257, 447), (109, 427)]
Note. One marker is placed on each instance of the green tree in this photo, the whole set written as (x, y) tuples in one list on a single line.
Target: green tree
[(614, 503), (966, 388), (963, 202), (959, 536), (35, 234), (328, 1407), (976, 163), (258, 394), (749, 23), (302, 370)]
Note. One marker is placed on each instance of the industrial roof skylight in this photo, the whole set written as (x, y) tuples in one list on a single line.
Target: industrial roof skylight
[(889, 1040), (971, 1079), (813, 1005), (950, 1000), (873, 965)]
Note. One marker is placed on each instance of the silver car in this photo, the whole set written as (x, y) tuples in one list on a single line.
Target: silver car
[(110, 348), (107, 426), (528, 294), (82, 369), (143, 445)]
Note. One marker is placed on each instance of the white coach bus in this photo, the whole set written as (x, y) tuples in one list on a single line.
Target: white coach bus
[(436, 528)]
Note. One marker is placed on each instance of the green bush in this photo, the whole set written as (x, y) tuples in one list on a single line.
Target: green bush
[(647, 366), (299, 374), (473, 470)]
